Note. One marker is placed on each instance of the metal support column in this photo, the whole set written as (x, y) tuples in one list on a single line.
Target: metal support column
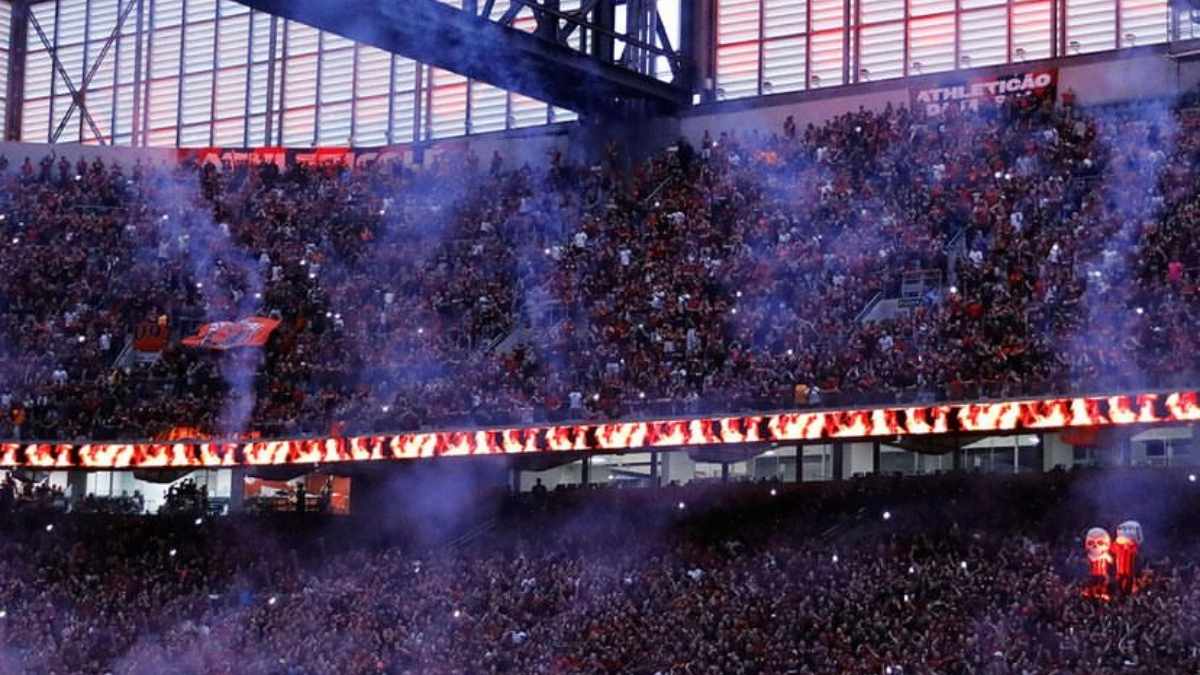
[(839, 461), (18, 36), (875, 452), (654, 480), (724, 472), (585, 473)]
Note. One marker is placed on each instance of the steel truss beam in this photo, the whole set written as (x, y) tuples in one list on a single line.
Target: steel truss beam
[(481, 48)]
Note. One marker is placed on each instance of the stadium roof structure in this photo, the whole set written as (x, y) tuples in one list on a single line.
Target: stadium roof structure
[(566, 59)]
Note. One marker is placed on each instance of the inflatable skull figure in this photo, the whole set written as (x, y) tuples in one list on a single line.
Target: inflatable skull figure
[(1131, 530), (1097, 544)]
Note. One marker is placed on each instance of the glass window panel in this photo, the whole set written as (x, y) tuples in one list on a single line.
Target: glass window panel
[(931, 43)]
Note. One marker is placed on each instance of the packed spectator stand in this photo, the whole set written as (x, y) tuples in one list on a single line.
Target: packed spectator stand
[(967, 574), (731, 275)]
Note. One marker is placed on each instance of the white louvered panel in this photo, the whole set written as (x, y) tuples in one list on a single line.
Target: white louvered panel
[(374, 67), (195, 136), (370, 121), (70, 133), (162, 108), (488, 108), (448, 107), (975, 4), (298, 127), (927, 7), (201, 10), (332, 41), (72, 22), (231, 93), (737, 70), (130, 27), (984, 37), (334, 124), (827, 14), (783, 67), (233, 37), (1145, 21), (35, 115), (71, 57), (164, 52), (1031, 31), (100, 106), (260, 26), (785, 18), (39, 71), (337, 75), (161, 137), (103, 18), (737, 21), (229, 133), (5, 20), (258, 88), (108, 67), (826, 60), (403, 104), (1091, 25), (44, 13), (257, 128), (127, 59), (197, 98), (301, 81), (878, 11), (881, 52), (233, 8), (123, 117), (563, 115), (527, 112), (931, 43), (302, 39), (198, 47), (167, 13)]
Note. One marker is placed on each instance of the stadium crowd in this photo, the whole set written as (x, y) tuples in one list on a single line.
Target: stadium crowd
[(730, 275), (970, 574)]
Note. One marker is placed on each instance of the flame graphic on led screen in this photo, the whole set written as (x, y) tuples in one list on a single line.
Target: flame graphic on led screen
[(1004, 416)]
